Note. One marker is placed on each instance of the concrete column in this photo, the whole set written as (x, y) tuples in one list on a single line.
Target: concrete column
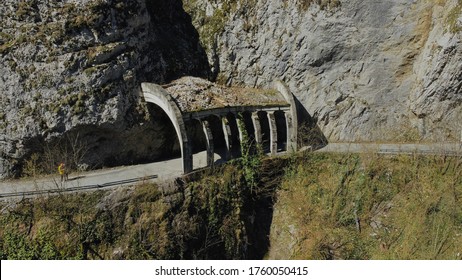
[(186, 153), (228, 137), (209, 140), (240, 127), (291, 145), (186, 149), (289, 97), (257, 128), (273, 133)]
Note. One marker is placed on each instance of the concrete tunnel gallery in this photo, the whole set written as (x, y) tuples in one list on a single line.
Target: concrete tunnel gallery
[(212, 118)]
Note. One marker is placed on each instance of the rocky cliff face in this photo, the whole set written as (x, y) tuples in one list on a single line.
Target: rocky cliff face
[(72, 70), (363, 70)]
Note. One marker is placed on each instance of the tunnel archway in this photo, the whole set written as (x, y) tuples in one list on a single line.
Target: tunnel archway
[(167, 141), (156, 94)]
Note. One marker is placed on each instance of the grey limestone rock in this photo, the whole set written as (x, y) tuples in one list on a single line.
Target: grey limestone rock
[(363, 70), (75, 68)]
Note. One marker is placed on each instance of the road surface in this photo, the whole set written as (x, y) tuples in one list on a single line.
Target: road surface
[(125, 175)]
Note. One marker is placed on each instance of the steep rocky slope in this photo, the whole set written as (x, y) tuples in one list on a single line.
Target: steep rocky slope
[(214, 215), (72, 70), (363, 70), (311, 206)]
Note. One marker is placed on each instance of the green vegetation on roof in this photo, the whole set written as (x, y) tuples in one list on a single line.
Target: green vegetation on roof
[(453, 18)]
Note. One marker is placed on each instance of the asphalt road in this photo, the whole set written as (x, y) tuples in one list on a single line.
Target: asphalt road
[(170, 169), (105, 178)]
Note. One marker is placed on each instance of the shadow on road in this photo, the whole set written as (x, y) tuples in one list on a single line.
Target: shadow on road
[(76, 178)]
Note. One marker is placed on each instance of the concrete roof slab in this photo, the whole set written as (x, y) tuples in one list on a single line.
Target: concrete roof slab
[(195, 94)]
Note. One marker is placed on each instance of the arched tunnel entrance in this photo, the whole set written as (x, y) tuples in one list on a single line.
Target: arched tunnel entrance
[(165, 141)]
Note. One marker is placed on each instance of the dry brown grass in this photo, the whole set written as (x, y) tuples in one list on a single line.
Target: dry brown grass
[(370, 207)]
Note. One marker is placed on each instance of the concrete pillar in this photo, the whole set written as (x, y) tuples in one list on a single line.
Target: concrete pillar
[(257, 128), (289, 97), (209, 140), (240, 128), (273, 133), (291, 145), (186, 149), (228, 137), (186, 153)]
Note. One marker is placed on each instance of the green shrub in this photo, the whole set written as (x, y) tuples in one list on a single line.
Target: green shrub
[(454, 25)]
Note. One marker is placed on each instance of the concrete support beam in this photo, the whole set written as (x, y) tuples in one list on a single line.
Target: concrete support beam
[(187, 156), (273, 133), (291, 144), (257, 128), (228, 137), (209, 140), (288, 96), (240, 128)]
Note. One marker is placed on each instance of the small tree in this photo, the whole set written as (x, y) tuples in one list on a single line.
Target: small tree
[(70, 149), (251, 156), (310, 135)]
